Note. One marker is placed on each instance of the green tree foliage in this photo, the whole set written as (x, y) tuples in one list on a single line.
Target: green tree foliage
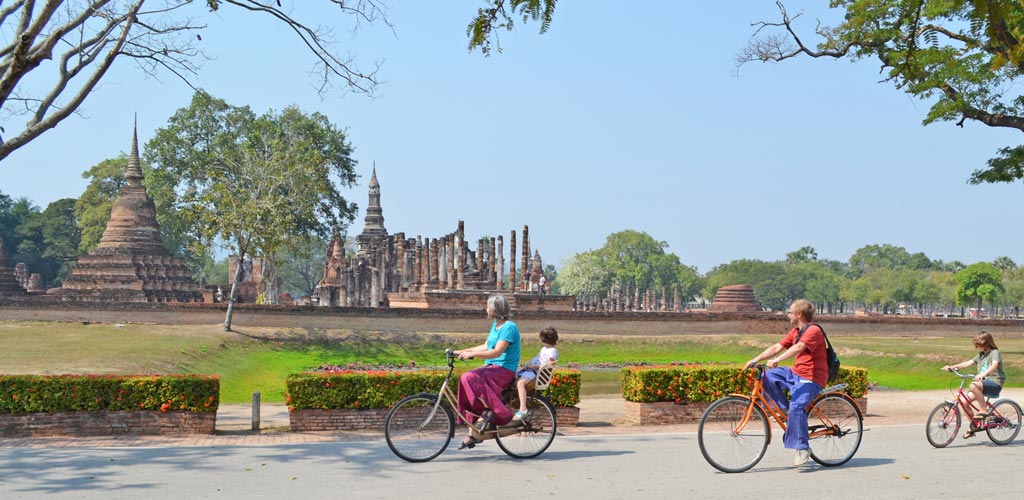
[(502, 14), (585, 276), (255, 182), (301, 264), (872, 257), (773, 287), (87, 37), (46, 241), (964, 57), (978, 283)]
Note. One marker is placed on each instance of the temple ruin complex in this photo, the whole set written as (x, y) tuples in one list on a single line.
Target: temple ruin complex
[(131, 262), (448, 271)]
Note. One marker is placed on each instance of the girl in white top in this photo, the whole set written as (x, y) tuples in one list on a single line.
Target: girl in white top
[(548, 354)]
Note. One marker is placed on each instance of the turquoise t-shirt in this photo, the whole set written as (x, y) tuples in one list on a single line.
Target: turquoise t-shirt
[(508, 332)]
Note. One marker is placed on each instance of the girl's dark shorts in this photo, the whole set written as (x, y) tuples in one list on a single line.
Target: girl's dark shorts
[(990, 389)]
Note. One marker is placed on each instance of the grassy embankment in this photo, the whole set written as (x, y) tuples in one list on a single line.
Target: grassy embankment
[(260, 358)]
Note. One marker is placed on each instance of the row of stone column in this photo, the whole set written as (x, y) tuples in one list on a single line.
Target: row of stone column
[(441, 263), (632, 299)]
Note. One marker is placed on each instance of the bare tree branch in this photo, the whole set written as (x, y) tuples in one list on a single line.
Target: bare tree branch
[(88, 35)]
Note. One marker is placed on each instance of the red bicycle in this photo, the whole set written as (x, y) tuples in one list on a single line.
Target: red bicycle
[(1001, 424)]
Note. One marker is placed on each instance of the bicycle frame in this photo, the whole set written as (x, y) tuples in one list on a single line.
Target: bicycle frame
[(757, 397), (963, 401)]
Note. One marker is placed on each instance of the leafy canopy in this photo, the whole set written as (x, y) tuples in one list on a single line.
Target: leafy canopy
[(963, 56)]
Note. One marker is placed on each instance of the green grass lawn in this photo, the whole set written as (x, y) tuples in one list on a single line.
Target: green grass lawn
[(261, 359)]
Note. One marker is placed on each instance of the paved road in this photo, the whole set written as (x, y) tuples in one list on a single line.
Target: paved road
[(894, 462)]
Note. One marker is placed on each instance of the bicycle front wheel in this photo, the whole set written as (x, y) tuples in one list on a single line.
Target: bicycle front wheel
[(418, 429), (835, 427), (729, 441), (1004, 421), (943, 424), (529, 438)]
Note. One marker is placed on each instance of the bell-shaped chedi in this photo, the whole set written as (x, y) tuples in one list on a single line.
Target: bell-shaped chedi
[(735, 298), (131, 262), (9, 285)]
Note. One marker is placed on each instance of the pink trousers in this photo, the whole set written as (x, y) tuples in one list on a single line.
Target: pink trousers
[(485, 383)]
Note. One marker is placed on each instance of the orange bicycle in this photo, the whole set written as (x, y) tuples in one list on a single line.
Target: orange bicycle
[(1001, 424), (734, 431)]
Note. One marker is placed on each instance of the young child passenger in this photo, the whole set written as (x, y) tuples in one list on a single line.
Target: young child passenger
[(548, 354)]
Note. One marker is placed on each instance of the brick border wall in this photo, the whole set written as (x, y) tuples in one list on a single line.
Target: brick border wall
[(668, 413), (347, 419), (106, 423)]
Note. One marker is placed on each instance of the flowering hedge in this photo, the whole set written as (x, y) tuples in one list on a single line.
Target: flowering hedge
[(704, 384), (379, 389), (60, 393), (564, 389), (356, 389)]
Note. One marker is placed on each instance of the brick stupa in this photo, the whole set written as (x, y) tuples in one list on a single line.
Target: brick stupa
[(9, 286), (735, 298), (131, 263)]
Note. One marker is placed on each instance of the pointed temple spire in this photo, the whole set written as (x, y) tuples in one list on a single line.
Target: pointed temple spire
[(131, 262), (134, 172), (373, 224)]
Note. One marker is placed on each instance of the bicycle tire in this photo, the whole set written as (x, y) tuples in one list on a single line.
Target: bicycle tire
[(1007, 415), (417, 433), (724, 448), (839, 416), (533, 436), (943, 424)]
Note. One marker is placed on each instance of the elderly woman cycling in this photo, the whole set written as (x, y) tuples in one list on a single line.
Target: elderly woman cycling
[(480, 389)]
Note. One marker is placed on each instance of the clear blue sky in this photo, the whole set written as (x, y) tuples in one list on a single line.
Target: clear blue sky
[(617, 118)]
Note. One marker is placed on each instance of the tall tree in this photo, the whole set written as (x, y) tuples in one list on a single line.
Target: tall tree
[(47, 240), (584, 276), (88, 37), (255, 182), (978, 283), (962, 56)]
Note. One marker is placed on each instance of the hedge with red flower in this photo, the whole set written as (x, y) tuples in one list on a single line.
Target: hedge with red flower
[(379, 389), (706, 383), (59, 393)]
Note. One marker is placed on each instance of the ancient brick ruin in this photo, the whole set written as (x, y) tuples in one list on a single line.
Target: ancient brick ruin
[(131, 262), (444, 272), (735, 298), (9, 285)]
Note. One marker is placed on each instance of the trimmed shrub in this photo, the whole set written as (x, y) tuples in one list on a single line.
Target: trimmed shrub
[(60, 393), (378, 389), (704, 384)]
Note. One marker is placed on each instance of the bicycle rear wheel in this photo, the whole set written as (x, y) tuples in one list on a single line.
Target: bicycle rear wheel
[(1005, 418), (536, 432), (836, 427), (416, 431), (943, 424), (729, 442)]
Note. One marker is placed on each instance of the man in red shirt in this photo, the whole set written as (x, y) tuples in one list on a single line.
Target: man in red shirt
[(804, 381)]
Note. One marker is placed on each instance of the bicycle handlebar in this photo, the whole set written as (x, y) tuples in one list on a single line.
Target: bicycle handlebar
[(956, 372)]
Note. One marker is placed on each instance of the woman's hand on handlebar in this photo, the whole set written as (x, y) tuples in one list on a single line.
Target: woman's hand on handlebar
[(463, 355)]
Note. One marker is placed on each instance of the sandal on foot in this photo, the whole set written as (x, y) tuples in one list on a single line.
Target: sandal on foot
[(469, 442), (484, 421), (970, 433)]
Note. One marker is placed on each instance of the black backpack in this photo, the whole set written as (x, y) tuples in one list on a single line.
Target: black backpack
[(830, 353)]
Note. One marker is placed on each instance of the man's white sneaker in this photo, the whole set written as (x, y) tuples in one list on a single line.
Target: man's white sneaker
[(801, 457)]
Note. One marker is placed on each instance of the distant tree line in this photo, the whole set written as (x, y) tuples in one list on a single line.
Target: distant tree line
[(884, 279)]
